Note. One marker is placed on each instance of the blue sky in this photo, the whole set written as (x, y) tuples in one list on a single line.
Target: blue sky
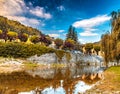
[(91, 18)]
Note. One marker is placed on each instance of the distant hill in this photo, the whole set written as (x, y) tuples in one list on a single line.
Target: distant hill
[(6, 24)]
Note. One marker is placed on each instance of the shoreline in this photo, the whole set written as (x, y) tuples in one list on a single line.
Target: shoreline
[(110, 84)]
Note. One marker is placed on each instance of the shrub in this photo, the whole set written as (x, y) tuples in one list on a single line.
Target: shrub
[(61, 53), (1, 34), (22, 50), (35, 39), (46, 40), (69, 44), (23, 37), (58, 42), (12, 35)]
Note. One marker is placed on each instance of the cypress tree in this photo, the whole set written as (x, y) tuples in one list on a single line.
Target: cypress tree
[(72, 34)]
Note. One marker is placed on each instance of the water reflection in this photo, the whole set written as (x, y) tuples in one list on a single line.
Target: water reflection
[(56, 80)]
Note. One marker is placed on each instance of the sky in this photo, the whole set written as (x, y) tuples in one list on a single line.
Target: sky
[(91, 18)]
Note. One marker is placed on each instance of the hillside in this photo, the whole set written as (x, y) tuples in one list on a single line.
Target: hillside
[(6, 24)]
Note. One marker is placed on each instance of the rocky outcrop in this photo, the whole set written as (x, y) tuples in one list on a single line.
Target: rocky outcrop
[(75, 57)]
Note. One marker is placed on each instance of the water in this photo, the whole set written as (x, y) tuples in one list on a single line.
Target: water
[(69, 80)]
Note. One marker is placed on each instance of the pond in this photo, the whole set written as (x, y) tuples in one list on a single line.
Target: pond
[(67, 80)]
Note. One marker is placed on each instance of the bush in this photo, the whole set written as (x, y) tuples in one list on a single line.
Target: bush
[(69, 44), (12, 35), (61, 53), (58, 42), (22, 50), (34, 39), (23, 37)]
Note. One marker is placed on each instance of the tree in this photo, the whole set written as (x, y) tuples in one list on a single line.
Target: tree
[(69, 44), (105, 43), (96, 48), (118, 52), (1, 34), (34, 39), (46, 40), (88, 47), (58, 42), (4, 27), (11, 35), (72, 34), (23, 37)]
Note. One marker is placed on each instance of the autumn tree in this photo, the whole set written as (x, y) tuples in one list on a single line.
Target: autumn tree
[(110, 41), (96, 48), (34, 39), (4, 27), (58, 42), (118, 52), (6, 24), (23, 37), (46, 40), (105, 43), (1, 34), (69, 44), (11, 35), (88, 47)]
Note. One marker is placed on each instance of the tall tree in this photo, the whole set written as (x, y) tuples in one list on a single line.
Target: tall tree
[(110, 42), (105, 43), (72, 34)]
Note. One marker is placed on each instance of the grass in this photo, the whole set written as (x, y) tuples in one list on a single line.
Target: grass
[(30, 65), (58, 65), (112, 79)]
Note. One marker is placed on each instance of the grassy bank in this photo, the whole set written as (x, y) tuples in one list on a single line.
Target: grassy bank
[(112, 79), (110, 84)]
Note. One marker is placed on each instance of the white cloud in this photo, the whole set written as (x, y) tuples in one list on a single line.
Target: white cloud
[(40, 12), (61, 8), (89, 24), (15, 10), (12, 7), (61, 31), (81, 41), (88, 33), (27, 21), (54, 35)]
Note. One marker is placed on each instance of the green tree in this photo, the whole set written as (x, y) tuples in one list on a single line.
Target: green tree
[(72, 34)]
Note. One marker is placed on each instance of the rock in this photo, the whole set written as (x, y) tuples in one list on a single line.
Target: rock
[(50, 58)]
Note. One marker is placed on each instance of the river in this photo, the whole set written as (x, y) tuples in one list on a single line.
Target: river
[(67, 80)]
